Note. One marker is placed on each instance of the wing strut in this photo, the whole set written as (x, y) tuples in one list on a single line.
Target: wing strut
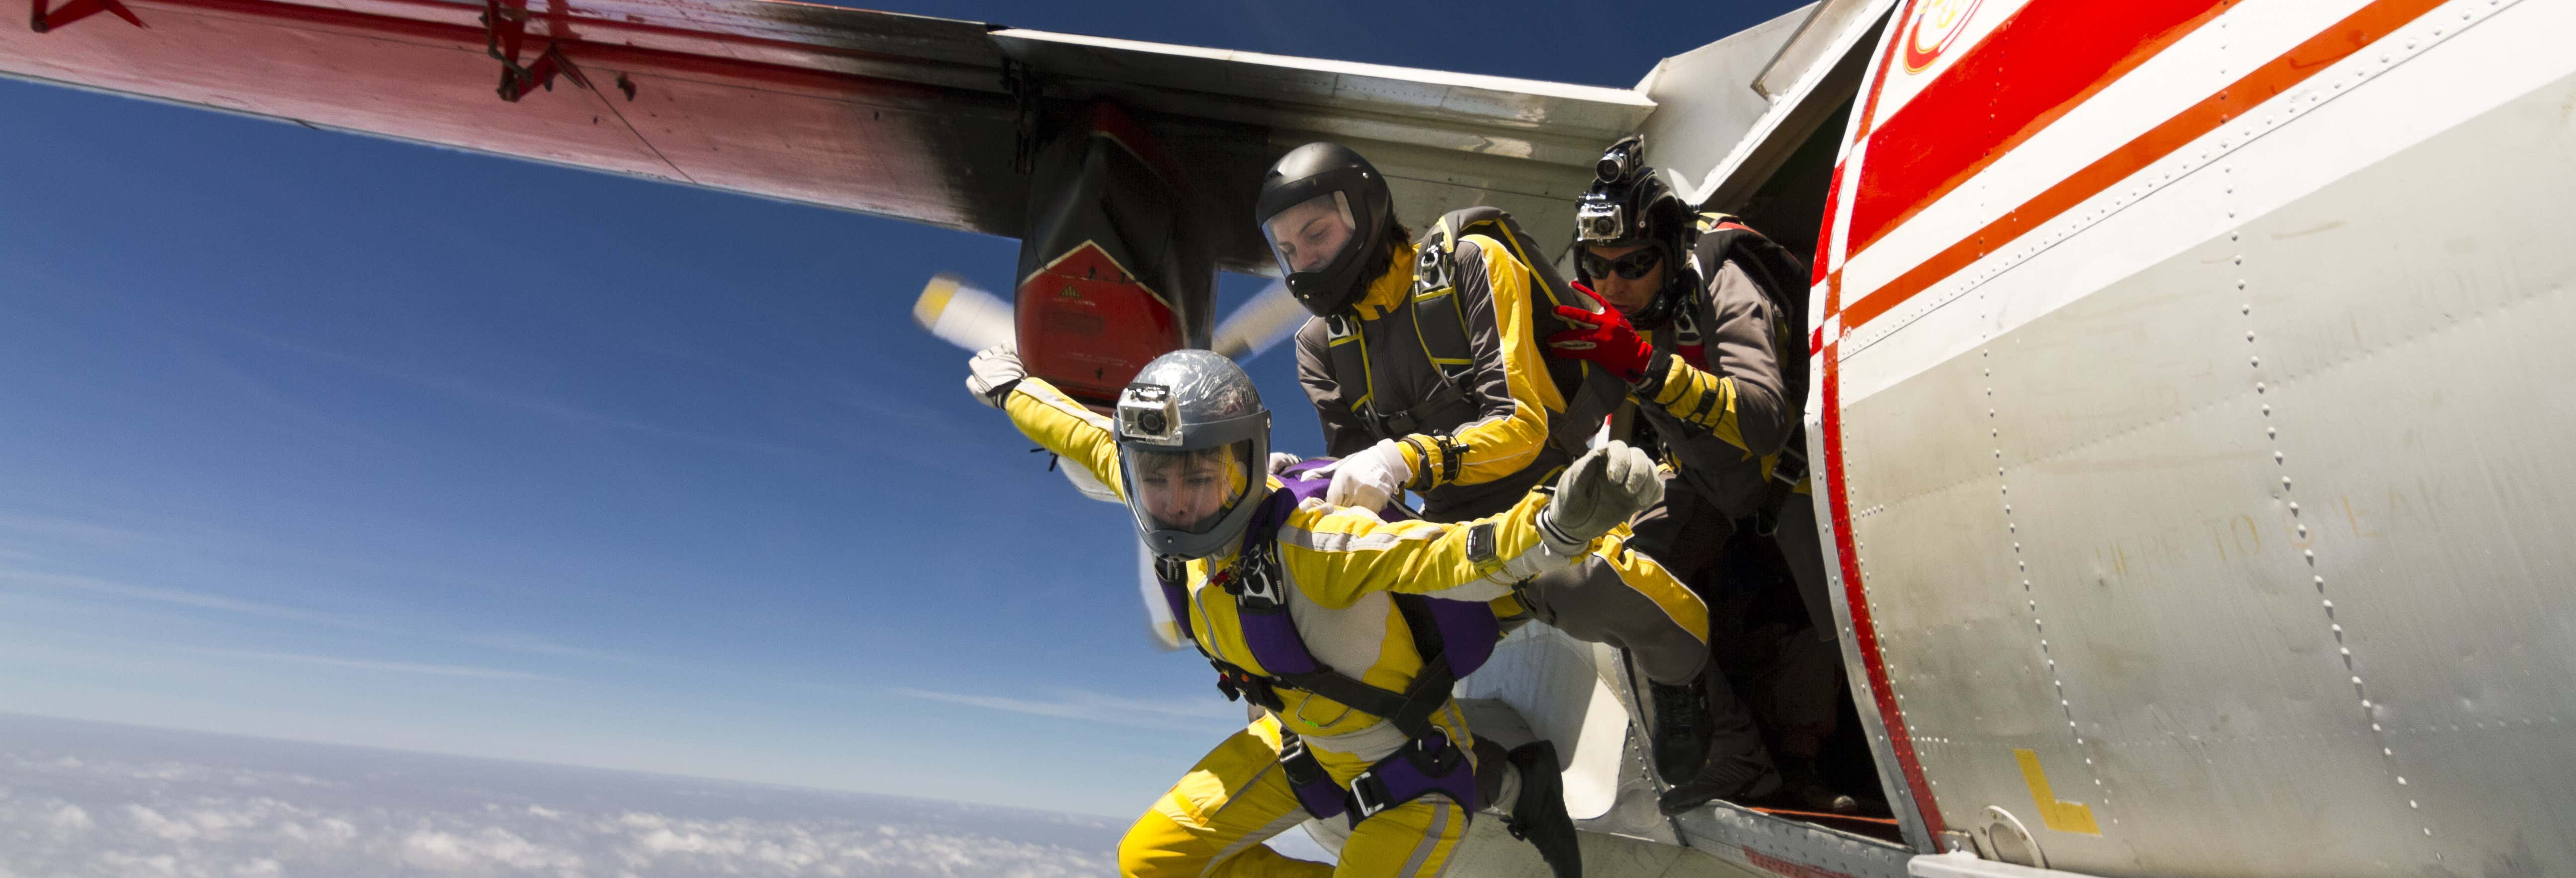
[(505, 25)]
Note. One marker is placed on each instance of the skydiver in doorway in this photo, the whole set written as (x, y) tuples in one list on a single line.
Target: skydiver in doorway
[(1707, 325)]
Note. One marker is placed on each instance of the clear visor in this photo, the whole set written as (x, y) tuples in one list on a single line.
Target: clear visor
[(1311, 233), (1187, 491)]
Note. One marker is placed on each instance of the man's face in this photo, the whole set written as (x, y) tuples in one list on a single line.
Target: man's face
[(1183, 490), (1309, 235), (1629, 295)]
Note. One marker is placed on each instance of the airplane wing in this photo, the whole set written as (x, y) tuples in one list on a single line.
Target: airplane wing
[(924, 119)]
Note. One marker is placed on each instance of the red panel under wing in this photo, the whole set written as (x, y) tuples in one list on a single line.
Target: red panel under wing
[(842, 108)]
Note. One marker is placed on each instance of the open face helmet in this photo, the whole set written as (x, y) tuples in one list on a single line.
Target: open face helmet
[(1325, 212), (1629, 204), (1193, 451)]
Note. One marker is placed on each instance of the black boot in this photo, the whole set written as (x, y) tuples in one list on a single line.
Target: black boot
[(1730, 779), (1538, 814), (1738, 767), (1801, 787), (1681, 727)]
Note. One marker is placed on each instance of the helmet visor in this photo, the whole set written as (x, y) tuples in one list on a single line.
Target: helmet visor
[(1309, 235), (1186, 490)]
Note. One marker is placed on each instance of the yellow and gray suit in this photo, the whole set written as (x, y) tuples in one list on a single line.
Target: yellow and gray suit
[(1507, 418), (1341, 565)]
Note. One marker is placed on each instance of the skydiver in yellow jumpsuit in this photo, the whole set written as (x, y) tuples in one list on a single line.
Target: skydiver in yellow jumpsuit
[(1423, 363), (1245, 561)]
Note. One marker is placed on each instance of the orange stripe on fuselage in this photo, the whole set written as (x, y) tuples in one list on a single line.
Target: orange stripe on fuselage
[(2282, 73), (2048, 58)]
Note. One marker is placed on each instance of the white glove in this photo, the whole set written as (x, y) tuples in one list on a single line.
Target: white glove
[(1611, 484), (1280, 461), (1369, 478), (992, 372)]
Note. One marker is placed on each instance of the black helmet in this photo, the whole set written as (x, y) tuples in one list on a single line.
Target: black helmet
[(1326, 213), (1631, 204)]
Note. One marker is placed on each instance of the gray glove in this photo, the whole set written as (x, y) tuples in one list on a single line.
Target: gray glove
[(1608, 486), (992, 372)]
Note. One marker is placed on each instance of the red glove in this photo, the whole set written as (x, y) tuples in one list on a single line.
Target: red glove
[(1604, 338)]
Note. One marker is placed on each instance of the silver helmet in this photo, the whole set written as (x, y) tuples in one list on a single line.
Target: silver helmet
[(1193, 452)]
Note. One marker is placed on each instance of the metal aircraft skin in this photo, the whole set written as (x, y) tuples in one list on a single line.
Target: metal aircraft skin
[(2180, 383)]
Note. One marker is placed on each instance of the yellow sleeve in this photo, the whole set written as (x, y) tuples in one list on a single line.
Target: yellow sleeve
[(1698, 397), (1076, 434), (1509, 384), (1337, 554)]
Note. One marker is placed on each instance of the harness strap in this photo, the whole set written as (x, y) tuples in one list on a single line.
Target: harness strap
[(1261, 608), (1788, 471), (1588, 394), (1347, 348), (1781, 277), (1430, 763)]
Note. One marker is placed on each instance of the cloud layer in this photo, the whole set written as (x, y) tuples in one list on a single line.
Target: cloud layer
[(79, 799)]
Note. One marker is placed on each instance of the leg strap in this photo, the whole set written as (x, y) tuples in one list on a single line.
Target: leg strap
[(1426, 765)]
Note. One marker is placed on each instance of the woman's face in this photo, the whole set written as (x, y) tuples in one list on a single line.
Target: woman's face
[(1629, 295), (1309, 235), (1182, 491)]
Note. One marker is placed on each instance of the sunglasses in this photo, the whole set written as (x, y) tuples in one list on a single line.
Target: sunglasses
[(1632, 266)]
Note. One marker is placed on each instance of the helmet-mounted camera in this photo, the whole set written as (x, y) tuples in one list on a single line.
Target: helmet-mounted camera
[(1600, 221), (1147, 413), (1621, 160), (1629, 204)]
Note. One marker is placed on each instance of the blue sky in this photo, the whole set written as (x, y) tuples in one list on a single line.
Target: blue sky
[(316, 436)]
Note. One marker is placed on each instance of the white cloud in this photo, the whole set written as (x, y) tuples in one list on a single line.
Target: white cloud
[(483, 851), (122, 862), (152, 823), (530, 643), (128, 591), (70, 818), (111, 813), (75, 529), (1190, 715), (374, 665)]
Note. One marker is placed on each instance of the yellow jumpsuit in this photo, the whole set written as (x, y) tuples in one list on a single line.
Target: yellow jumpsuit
[(1503, 430), (1341, 564)]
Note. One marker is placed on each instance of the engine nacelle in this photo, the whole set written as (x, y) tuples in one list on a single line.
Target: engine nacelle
[(1116, 268)]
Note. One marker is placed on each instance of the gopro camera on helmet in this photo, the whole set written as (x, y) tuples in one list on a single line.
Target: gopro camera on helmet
[(1600, 222), (1147, 413)]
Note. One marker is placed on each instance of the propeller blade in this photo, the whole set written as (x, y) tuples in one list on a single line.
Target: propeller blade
[(1158, 612), (962, 315), (974, 319), (1090, 487), (1261, 323)]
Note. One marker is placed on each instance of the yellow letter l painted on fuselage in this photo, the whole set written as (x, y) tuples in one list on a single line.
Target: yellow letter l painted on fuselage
[(2058, 814)]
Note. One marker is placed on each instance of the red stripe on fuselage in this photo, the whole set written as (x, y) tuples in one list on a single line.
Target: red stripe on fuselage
[(1787, 868), (2049, 57), (1816, 266), (1864, 631), (2281, 74)]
